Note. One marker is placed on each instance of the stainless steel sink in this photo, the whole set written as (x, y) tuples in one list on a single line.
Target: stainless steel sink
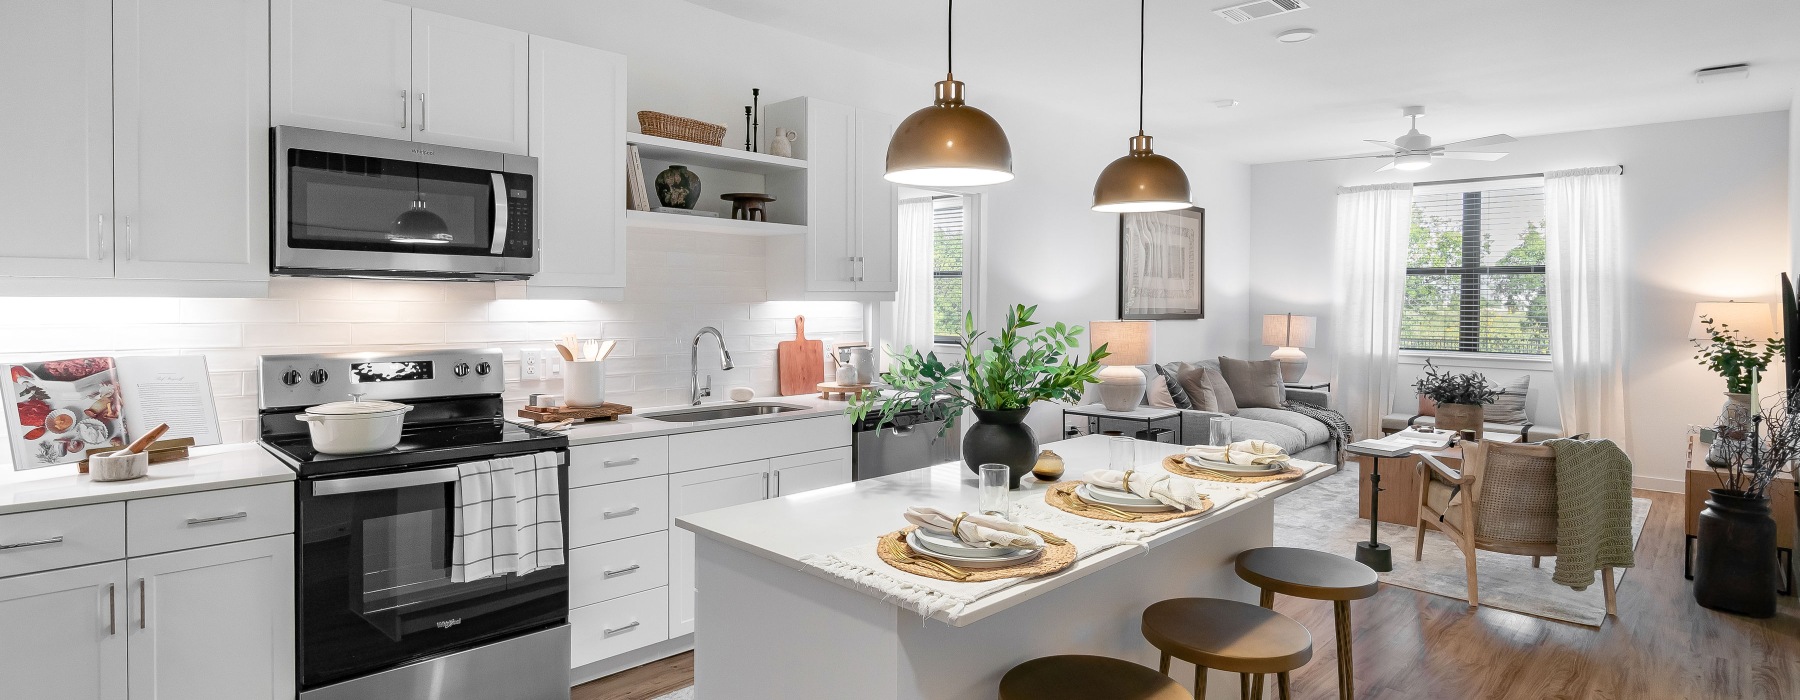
[(720, 412)]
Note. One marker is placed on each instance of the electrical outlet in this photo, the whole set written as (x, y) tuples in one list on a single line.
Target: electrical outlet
[(532, 365)]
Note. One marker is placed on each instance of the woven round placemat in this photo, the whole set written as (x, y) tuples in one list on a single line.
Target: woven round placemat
[(1175, 464), (1056, 557), (1062, 497)]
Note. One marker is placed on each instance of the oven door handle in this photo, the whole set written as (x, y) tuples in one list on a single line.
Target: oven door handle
[(498, 245), (382, 482)]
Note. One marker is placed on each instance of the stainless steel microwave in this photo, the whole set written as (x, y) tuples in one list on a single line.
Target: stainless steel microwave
[(360, 206)]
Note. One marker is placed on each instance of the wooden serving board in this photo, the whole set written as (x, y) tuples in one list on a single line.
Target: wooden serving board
[(844, 391), (605, 411), (800, 363), (160, 451)]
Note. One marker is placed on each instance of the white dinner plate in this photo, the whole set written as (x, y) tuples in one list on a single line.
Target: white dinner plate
[(1116, 497), (1019, 557), (1238, 469), (942, 542), (1082, 492)]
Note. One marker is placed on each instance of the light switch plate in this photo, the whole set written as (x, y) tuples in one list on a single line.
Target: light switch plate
[(533, 366), (555, 364)]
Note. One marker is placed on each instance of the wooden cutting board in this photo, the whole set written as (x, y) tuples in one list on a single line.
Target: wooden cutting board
[(800, 363)]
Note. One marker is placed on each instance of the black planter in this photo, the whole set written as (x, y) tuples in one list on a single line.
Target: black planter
[(1002, 437), (1734, 556)]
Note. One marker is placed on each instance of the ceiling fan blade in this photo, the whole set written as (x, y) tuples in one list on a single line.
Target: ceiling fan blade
[(1384, 144), (1483, 141), (1471, 155), (1390, 166), (1359, 155)]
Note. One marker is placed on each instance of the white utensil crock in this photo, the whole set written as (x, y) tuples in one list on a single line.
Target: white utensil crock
[(119, 466), (584, 383), (355, 427)]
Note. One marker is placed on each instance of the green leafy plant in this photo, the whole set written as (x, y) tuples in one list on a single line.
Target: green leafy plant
[(1467, 387), (1734, 357), (1013, 371)]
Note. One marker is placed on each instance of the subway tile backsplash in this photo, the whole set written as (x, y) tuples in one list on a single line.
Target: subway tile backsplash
[(676, 284)]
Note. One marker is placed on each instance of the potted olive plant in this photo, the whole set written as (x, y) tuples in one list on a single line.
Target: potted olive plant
[(1735, 567), (1460, 398), (999, 382)]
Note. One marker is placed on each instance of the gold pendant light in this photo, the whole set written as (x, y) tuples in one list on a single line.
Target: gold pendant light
[(949, 143), (1141, 180)]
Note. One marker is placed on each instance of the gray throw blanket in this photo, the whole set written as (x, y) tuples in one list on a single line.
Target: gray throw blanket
[(1593, 510), (1335, 423)]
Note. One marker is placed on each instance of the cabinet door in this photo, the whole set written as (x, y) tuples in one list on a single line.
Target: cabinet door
[(64, 634), (699, 491), (877, 206), (191, 156), (805, 472), (469, 83), (342, 65), (831, 167), (214, 622), (56, 137), (577, 135)]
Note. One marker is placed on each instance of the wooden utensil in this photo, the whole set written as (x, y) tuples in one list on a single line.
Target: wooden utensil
[(139, 444), (800, 363), (564, 351), (606, 348)]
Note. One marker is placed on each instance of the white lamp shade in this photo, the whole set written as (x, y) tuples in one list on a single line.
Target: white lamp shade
[(1128, 341), (1749, 320), (1289, 331)]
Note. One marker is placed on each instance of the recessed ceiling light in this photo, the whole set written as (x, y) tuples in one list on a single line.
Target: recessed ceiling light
[(1295, 36), (1225, 104), (1735, 71)]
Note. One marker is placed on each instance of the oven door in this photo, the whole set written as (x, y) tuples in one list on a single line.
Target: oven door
[(348, 204), (375, 588)]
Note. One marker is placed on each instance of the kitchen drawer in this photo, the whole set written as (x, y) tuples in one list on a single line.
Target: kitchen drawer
[(618, 510), (608, 629), (804, 472), (208, 517), (30, 541), (608, 462), (621, 567), (711, 448)]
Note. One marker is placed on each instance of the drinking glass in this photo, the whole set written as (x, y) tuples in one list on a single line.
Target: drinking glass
[(1122, 453), (996, 498), (1221, 431)]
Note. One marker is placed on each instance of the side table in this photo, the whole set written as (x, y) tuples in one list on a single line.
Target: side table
[(1143, 414)]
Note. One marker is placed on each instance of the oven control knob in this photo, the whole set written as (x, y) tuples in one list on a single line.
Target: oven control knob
[(319, 376), (482, 368), (291, 377), (461, 369)]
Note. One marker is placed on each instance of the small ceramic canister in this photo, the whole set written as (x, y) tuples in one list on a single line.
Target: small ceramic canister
[(119, 466), (1049, 466)]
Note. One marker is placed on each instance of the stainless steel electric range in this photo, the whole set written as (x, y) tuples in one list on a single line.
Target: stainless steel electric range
[(379, 616)]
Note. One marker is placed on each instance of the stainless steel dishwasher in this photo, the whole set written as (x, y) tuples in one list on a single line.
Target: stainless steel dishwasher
[(910, 440)]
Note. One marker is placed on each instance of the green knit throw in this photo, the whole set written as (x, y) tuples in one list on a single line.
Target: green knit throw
[(1593, 510)]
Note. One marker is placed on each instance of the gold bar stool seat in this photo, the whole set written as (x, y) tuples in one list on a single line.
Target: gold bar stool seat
[(1229, 636), (1087, 678), (1306, 573)]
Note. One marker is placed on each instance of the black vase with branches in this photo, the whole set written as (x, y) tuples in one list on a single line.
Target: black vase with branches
[(1735, 564)]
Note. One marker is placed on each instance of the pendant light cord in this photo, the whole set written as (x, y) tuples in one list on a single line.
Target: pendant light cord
[(1141, 41), (949, 38)]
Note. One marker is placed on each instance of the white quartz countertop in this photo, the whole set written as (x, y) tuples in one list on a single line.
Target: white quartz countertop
[(209, 468), (636, 425), (830, 519)]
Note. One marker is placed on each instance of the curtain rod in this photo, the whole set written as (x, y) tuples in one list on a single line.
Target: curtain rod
[(1490, 179)]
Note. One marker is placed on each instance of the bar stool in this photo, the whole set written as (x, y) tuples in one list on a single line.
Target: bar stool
[(1230, 636), (1086, 678), (1306, 573)]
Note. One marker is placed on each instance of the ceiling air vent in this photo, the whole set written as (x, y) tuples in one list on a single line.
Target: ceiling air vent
[(1252, 11)]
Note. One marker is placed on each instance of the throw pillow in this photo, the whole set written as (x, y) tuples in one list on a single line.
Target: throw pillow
[(1223, 398), (1159, 392), (1171, 374), (1193, 382), (1509, 407), (1254, 384)]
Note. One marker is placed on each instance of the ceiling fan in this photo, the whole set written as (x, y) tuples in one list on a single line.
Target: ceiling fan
[(1413, 150)]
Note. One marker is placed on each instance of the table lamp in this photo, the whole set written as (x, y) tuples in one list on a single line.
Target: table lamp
[(1748, 320), (1121, 382), (1288, 333)]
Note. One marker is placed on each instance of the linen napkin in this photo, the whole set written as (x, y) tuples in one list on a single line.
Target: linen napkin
[(976, 529), (1160, 485), (1244, 453)]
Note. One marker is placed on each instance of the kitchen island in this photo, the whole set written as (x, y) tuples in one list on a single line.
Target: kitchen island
[(772, 624)]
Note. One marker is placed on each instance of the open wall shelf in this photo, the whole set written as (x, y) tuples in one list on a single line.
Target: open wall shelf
[(692, 154), (659, 221)]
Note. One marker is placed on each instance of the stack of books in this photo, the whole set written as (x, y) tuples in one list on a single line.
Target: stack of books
[(1404, 443)]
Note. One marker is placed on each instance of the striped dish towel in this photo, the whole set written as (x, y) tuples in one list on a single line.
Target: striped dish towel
[(486, 528), (538, 489)]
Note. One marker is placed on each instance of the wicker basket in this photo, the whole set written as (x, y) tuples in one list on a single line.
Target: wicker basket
[(681, 128)]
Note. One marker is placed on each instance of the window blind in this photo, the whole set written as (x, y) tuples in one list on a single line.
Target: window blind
[(1475, 269), (947, 267)]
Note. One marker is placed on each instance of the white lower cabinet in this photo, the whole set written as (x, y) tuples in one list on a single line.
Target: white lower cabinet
[(617, 510), (605, 571), (213, 622), (619, 625), (694, 492), (62, 633), (804, 472)]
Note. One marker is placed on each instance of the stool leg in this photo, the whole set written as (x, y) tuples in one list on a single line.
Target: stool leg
[(1244, 685), (1281, 682), (1346, 683), (1256, 687), (1164, 667), (1199, 681)]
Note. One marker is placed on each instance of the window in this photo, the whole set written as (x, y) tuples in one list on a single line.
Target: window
[(1475, 269), (948, 275)]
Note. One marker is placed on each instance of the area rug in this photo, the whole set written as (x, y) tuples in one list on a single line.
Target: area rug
[(683, 694), (1322, 516)]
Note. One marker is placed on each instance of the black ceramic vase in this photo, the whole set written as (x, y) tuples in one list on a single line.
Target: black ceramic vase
[(1734, 556), (1001, 437), (678, 187)]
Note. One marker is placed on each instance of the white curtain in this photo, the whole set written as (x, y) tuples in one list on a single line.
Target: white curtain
[(1584, 275), (1372, 226), (912, 305)]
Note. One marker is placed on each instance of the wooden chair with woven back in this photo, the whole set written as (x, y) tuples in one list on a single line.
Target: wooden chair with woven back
[(1502, 500)]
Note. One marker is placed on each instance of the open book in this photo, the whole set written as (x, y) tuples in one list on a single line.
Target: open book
[(1404, 443), (57, 410)]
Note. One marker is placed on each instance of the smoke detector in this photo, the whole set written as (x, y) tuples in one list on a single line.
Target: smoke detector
[(1259, 9), (1295, 36)]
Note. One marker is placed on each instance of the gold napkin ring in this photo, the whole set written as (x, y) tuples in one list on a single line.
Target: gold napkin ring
[(1128, 480), (956, 525)]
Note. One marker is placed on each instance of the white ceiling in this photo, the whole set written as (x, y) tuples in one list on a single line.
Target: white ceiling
[(1522, 67)]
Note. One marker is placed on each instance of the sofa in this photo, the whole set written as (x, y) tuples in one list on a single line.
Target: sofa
[(1301, 436)]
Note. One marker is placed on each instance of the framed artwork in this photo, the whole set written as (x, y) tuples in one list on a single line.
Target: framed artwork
[(1162, 265)]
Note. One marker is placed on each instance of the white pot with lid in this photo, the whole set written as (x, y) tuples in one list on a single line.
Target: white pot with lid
[(355, 426)]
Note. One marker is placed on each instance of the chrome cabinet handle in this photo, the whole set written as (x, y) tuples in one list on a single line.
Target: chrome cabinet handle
[(383, 482), (130, 241), (112, 610), (620, 462), (620, 513), (777, 489), (766, 493), (240, 515), (33, 543), (421, 111), (143, 612), (405, 109), (100, 237), (620, 572), (616, 630)]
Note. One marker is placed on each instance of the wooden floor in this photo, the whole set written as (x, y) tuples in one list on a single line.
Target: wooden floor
[(1416, 645)]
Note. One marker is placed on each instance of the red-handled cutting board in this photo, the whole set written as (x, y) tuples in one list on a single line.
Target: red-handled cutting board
[(800, 363)]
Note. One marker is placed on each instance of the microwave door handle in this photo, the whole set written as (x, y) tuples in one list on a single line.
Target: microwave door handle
[(500, 224), (383, 482)]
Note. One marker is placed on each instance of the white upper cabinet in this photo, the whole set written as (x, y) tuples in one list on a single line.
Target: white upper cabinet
[(63, 634), (56, 134), (577, 135), (342, 65), (191, 139), (848, 250), (469, 83), (877, 206)]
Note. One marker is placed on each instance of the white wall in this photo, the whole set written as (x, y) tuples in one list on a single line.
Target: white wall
[(1706, 219)]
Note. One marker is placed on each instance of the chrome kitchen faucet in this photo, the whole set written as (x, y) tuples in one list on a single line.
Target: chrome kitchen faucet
[(700, 392)]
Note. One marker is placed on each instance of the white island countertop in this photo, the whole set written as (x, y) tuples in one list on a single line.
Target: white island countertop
[(209, 468), (786, 530), (638, 425)]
